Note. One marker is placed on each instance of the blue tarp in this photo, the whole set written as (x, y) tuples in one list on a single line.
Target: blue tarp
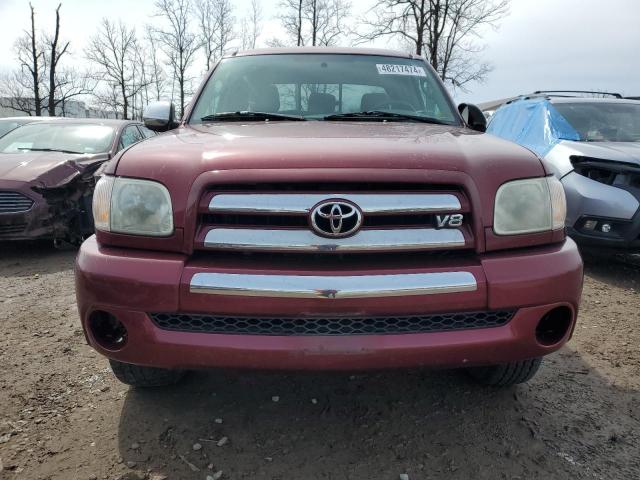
[(533, 123)]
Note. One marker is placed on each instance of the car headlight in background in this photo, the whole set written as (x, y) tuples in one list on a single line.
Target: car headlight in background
[(530, 205), (558, 203), (132, 206)]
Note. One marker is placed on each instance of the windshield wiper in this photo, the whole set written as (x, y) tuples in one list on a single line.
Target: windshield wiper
[(383, 115), (246, 115), (49, 150)]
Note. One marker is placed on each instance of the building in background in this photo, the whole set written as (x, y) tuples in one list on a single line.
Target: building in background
[(72, 108)]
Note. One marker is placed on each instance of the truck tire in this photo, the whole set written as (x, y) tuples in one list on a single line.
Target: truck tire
[(506, 374), (143, 377)]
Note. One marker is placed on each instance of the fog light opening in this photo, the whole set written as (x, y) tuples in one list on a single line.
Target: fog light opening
[(107, 330), (554, 325)]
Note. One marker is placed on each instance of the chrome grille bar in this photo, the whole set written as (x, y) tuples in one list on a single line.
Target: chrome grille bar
[(307, 241), (332, 287), (14, 202), (292, 203)]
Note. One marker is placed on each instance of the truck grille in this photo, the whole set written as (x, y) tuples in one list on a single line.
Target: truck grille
[(337, 220), (313, 326), (14, 202)]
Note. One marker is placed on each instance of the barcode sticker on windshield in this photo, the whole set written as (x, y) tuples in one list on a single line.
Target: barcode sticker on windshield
[(411, 70)]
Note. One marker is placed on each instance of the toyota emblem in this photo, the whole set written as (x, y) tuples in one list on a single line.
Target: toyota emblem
[(336, 218)]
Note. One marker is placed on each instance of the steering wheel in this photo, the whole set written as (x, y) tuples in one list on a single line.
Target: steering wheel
[(389, 104)]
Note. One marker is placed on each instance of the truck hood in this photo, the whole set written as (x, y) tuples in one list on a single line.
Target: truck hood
[(190, 158), (189, 151), (44, 168), (628, 152)]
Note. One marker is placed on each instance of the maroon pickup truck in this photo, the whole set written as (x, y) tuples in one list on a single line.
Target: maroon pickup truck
[(326, 209)]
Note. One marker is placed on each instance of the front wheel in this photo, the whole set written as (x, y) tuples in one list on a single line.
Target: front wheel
[(506, 374), (139, 376)]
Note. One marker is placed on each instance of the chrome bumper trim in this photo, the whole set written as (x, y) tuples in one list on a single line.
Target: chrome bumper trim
[(307, 241), (332, 287), (290, 203)]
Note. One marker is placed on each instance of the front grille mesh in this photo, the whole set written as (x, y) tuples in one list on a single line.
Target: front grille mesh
[(12, 229), (14, 202), (309, 326)]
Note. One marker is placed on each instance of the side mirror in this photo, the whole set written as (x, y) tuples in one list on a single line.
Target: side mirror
[(473, 117), (160, 116)]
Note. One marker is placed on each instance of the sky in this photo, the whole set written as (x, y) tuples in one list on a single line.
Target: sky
[(540, 45)]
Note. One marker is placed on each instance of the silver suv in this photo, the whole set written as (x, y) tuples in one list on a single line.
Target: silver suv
[(593, 146)]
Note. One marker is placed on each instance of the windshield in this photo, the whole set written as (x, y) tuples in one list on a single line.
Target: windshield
[(58, 137), (7, 125), (314, 86), (603, 122)]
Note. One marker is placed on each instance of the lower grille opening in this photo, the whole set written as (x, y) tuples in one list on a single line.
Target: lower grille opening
[(15, 228), (309, 326)]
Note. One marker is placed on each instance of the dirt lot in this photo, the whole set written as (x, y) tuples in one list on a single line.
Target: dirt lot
[(63, 416)]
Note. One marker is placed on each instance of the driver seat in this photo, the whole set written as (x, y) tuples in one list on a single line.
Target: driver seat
[(267, 99), (370, 101), (321, 103)]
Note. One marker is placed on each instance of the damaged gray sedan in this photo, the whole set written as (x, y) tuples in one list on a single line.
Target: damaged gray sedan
[(47, 175)]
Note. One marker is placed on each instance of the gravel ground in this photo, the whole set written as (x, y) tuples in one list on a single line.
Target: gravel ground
[(63, 416)]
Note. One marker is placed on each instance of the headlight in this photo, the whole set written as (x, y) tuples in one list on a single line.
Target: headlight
[(530, 205), (129, 205)]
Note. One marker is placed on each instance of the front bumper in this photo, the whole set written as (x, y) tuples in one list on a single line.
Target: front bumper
[(130, 284), (591, 200)]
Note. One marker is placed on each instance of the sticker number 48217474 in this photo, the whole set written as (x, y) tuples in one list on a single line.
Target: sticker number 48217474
[(390, 69)]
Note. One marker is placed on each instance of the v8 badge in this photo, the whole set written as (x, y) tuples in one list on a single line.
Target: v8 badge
[(449, 221)]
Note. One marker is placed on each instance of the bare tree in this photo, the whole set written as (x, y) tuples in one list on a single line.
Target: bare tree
[(54, 55), (225, 26), (179, 43), (331, 17), (15, 94), (291, 16), (275, 42), (312, 13), (141, 82), (252, 26), (113, 51), (445, 31), (41, 84), (148, 75), (34, 66), (22, 90), (216, 24), (315, 22), (106, 101), (245, 41), (207, 29), (157, 73), (69, 85)]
